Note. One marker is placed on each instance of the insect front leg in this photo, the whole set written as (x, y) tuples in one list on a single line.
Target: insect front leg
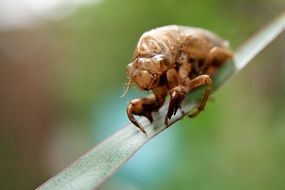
[(177, 93), (144, 107)]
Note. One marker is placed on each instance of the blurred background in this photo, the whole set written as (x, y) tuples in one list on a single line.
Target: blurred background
[(62, 69)]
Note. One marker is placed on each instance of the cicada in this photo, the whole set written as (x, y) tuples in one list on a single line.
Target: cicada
[(173, 60)]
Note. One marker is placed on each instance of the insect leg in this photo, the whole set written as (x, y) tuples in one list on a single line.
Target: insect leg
[(216, 57), (144, 107), (177, 93), (219, 55), (197, 82)]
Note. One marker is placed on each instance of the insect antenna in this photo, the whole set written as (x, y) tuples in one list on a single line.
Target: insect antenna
[(126, 88)]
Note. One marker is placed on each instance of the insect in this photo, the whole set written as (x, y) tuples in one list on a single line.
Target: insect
[(173, 60)]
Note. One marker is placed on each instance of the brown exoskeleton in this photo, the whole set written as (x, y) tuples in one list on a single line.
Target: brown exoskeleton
[(173, 60)]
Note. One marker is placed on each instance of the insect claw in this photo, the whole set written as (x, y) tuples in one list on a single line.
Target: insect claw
[(171, 108), (166, 121), (134, 121), (175, 109), (175, 100), (142, 130), (169, 114)]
